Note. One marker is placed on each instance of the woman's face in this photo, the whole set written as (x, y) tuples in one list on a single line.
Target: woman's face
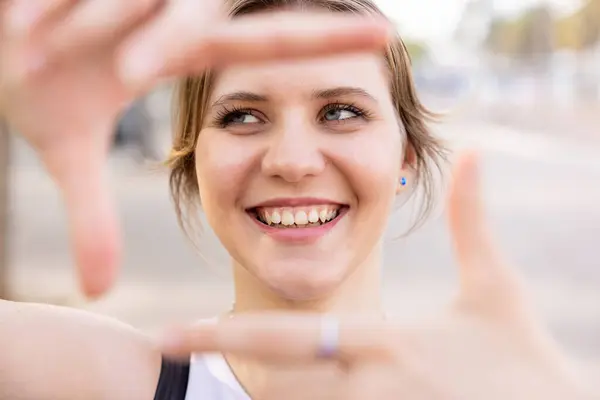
[(298, 165)]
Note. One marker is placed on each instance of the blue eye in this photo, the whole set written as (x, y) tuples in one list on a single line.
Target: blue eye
[(336, 115), (237, 117), (241, 117), (341, 112)]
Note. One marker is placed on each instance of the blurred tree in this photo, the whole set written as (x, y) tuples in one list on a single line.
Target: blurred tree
[(530, 35), (579, 32), (568, 33), (503, 36), (536, 33), (590, 23), (581, 29)]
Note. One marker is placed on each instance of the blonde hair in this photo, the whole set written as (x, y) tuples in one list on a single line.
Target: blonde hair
[(193, 93)]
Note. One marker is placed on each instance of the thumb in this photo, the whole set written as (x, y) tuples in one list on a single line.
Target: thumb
[(77, 163), (484, 277)]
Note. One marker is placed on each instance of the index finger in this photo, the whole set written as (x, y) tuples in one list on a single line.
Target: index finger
[(173, 46), (288, 338), (78, 165), (486, 280)]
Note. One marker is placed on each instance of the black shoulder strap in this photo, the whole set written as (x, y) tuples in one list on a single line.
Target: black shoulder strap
[(173, 381)]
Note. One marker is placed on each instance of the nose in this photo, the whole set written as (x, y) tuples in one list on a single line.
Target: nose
[(293, 153)]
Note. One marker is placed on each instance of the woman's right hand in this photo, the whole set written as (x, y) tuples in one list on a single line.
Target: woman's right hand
[(69, 67), (488, 343)]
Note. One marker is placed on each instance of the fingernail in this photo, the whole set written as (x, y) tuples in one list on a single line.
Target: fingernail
[(138, 67)]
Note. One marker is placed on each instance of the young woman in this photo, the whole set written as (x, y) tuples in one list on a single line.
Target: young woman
[(297, 167)]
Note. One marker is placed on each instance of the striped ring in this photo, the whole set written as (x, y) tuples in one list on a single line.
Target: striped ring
[(330, 337)]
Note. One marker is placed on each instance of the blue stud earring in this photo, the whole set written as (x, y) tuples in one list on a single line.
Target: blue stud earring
[(403, 181)]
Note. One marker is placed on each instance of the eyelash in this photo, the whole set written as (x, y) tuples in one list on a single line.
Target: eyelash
[(360, 113), (226, 113)]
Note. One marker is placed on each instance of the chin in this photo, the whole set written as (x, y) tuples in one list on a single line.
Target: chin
[(302, 281)]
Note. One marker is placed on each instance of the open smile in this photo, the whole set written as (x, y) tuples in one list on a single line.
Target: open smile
[(298, 223), (298, 217)]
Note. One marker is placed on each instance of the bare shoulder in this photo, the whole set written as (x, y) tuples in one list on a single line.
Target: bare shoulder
[(49, 352)]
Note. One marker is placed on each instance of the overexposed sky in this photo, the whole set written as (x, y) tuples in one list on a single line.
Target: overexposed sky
[(435, 20), (426, 19)]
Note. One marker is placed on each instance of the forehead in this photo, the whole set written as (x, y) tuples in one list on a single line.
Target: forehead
[(289, 78)]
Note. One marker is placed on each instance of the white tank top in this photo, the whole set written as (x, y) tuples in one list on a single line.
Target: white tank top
[(211, 378)]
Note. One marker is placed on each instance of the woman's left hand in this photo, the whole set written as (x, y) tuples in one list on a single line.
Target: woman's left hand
[(487, 345)]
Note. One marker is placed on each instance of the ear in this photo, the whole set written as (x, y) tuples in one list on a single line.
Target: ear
[(410, 157), (407, 169)]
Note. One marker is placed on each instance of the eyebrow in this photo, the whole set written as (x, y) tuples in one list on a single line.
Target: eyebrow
[(337, 92), (240, 96), (341, 92)]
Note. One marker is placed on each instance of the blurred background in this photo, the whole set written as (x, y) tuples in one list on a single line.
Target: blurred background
[(519, 80)]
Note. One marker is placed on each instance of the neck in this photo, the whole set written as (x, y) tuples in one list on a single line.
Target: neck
[(359, 293)]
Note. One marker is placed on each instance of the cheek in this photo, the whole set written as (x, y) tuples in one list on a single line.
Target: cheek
[(222, 166), (371, 161)]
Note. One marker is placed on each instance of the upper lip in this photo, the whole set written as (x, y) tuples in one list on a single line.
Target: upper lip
[(295, 202)]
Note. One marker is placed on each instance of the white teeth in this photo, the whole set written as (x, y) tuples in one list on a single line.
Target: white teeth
[(295, 217), (301, 218), (287, 218), (323, 215), (276, 217), (313, 216)]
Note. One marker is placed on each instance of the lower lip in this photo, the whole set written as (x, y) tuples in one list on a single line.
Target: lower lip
[(300, 235)]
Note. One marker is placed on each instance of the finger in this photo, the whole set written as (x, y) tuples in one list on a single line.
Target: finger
[(466, 214), (483, 274), (25, 15), (187, 50), (282, 338), (4, 5), (77, 164), (98, 22)]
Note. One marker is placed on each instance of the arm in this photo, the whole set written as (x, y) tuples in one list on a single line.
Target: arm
[(52, 353)]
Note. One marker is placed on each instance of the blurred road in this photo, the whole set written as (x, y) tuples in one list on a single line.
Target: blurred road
[(543, 200)]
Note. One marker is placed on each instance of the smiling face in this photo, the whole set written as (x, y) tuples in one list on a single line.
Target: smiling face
[(298, 165)]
